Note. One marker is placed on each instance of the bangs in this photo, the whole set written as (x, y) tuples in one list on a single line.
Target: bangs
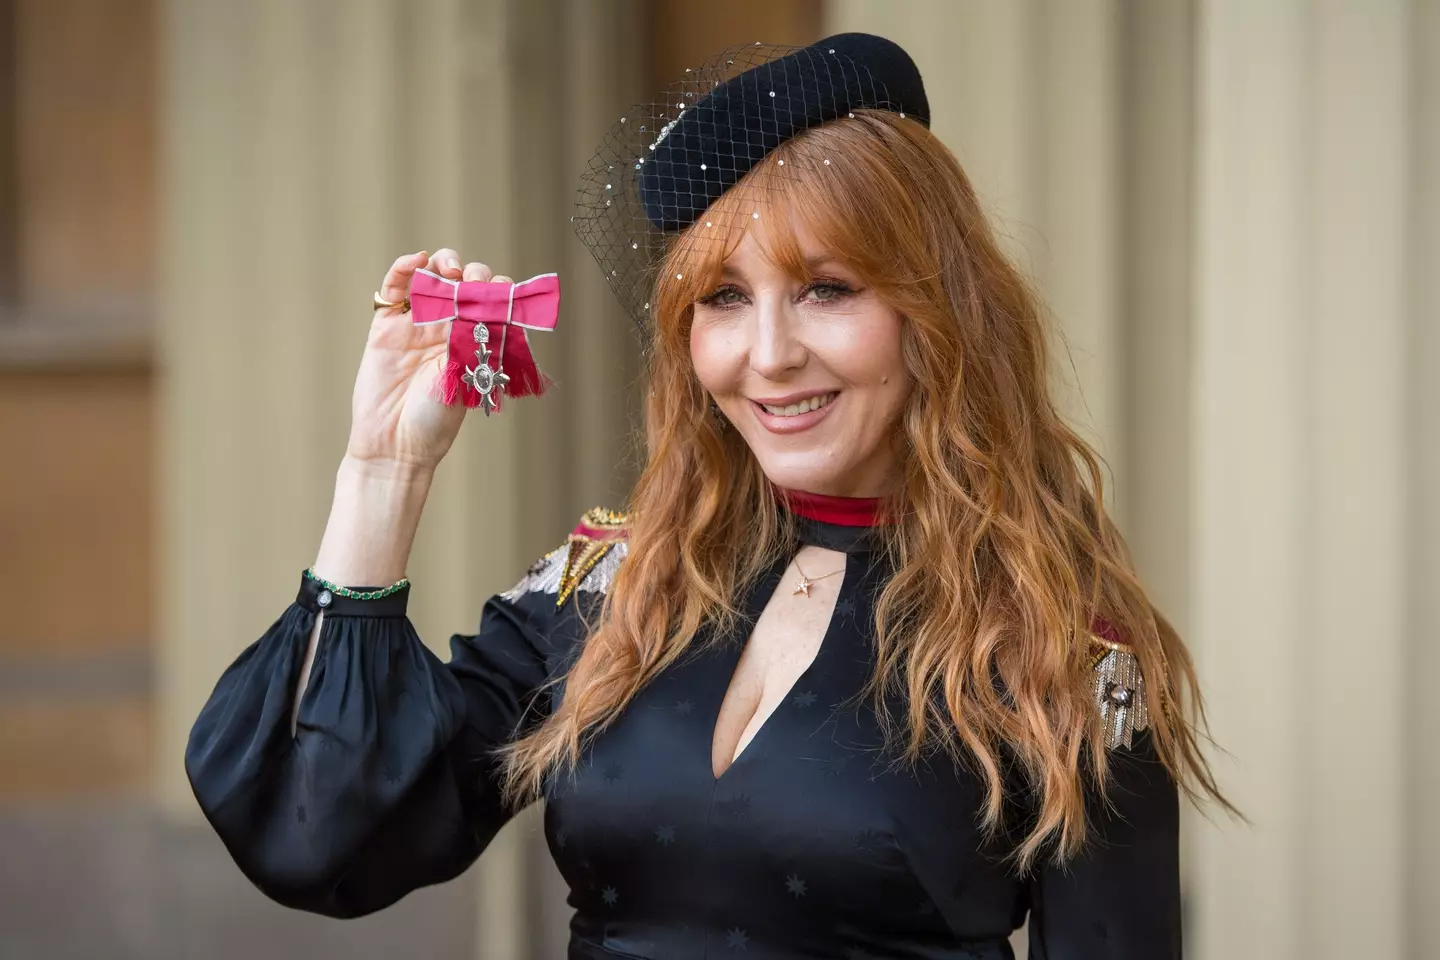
[(825, 185)]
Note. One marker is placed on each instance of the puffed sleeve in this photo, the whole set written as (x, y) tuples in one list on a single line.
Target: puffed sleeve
[(1120, 896), (389, 781)]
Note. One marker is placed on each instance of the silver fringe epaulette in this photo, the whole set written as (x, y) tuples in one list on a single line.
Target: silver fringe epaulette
[(587, 561), (1119, 689)]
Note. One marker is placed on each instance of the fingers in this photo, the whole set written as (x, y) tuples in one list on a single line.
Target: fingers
[(501, 279), (396, 286), (446, 262)]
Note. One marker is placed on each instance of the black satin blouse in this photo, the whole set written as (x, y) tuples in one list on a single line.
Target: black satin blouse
[(811, 844)]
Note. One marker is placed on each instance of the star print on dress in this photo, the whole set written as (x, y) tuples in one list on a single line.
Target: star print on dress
[(736, 939), (613, 772), (870, 841), (845, 607), (683, 707), (804, 699), (796, 886), (736, 808), (610, 895), (665, 834)]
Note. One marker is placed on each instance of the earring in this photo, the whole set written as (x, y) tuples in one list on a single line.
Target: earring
[(720, 420)]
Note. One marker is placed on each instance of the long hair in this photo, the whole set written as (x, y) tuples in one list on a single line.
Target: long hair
[(1003, 554)]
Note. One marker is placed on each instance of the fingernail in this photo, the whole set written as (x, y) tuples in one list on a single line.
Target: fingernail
[(453, 264)]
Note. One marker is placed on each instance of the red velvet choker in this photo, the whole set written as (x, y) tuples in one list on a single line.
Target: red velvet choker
[(839, 511)]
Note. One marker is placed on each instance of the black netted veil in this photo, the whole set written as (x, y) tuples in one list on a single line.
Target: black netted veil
[(663, 163)]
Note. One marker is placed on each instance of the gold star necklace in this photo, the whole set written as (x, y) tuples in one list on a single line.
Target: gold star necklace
[(805, 583)]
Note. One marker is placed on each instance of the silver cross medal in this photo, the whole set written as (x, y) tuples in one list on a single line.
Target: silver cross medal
[(482, 379)]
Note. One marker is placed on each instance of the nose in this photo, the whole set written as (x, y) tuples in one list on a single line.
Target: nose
[(776, 347)]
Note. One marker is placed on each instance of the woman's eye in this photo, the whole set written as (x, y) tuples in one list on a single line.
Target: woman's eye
[(823, 292), (724, 297)]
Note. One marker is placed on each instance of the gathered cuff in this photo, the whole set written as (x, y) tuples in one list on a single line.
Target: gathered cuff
[(310, 598)]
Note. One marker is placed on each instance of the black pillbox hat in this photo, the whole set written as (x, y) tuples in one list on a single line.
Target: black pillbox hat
[(710, 146)]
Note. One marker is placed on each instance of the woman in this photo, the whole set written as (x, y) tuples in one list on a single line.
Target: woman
[(864, 672)]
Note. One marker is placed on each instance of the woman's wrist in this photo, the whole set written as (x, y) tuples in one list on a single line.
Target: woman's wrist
[(388, 471), (373, 520)]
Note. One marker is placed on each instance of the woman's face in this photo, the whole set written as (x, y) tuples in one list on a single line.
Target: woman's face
[(810, 373)]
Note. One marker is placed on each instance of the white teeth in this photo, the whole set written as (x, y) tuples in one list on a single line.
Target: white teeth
[(795, 409)]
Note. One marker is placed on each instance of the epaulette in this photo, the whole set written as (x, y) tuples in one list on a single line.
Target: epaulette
[(1118, 687), (586, 561)]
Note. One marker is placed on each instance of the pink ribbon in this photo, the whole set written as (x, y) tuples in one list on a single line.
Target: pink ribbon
[(508, 311)]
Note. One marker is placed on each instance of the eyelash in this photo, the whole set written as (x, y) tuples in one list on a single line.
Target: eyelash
[(840, 288)]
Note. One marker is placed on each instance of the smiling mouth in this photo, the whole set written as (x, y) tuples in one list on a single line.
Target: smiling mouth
[(804, 406)]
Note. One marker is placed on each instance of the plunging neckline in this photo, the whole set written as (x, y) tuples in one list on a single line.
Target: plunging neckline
[(735, 652)]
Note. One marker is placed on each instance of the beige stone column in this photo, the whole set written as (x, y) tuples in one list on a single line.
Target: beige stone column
[(306, 145), (1302, 470), (1422, 722)]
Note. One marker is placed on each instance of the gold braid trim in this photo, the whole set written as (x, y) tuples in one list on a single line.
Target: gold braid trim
[(582, 556), (603, 518)]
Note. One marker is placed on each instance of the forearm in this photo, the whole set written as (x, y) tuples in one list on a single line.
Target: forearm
[(373, 519)]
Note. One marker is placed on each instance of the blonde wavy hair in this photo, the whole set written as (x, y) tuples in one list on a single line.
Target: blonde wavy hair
[(1004, 556)]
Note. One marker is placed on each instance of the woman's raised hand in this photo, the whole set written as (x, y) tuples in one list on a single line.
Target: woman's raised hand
[(393, 418)]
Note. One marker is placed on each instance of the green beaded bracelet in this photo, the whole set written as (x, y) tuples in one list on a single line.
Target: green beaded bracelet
[(340, 591)]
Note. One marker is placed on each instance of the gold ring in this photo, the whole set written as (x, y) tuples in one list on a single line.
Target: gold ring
[(382, 304)]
